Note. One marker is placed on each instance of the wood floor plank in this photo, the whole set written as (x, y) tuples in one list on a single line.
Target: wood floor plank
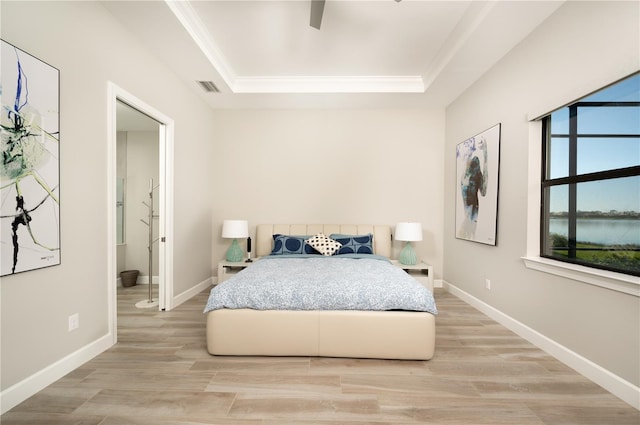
[(168, 403), (56, 400), (145, 380), (408, 386), (275, 384), (189, 420), (365, 366), (338, 408), (28, 418), (254, 365), (160, 373)]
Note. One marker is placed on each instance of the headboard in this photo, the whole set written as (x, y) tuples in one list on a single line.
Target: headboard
[(265, 232)]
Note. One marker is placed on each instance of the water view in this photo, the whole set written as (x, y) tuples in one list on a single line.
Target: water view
[(608, 231)]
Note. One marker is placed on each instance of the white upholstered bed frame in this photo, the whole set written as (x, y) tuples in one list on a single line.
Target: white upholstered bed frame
[(359, 334)]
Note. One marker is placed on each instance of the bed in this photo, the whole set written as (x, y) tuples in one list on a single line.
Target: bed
[(383, 330)]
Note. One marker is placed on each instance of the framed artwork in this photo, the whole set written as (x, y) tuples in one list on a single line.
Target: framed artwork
[(30, 166), (477, 166)]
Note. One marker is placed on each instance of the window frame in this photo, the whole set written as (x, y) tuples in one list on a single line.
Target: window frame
[(533, 260), (574, 178)]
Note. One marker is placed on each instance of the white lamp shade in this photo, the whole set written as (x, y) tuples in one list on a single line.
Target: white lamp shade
[(235, 229), (408, 232)]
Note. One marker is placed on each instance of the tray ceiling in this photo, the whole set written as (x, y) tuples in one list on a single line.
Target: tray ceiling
[(380, 53)]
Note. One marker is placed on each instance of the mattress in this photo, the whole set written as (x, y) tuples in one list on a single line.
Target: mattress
[(316, 282)]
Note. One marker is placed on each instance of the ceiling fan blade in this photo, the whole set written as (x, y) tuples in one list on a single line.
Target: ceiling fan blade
[(317, 8)]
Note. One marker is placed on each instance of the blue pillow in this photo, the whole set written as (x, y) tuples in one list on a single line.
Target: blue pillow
[(289, 244), (354, 244)]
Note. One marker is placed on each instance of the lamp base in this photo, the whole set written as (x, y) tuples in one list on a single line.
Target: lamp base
[(234, 253), (408, 256)]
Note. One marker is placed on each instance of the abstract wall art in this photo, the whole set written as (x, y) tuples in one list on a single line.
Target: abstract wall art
[(477, 166), (29, 166)]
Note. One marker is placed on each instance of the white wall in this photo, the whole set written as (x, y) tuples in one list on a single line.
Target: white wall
[(330, 166), (580, 48), (142, 164), (90, 48)]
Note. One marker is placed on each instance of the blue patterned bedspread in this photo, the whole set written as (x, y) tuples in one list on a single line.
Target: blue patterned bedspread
[(322, 283)]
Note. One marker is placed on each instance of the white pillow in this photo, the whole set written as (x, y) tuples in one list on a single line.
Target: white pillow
[(324, 244)]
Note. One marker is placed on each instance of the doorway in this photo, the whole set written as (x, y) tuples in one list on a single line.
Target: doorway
[(137, 189), (146, 128)]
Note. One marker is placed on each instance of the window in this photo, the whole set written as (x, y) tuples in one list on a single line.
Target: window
[(590, 196)]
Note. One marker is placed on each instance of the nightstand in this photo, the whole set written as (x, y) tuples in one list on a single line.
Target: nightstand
[(228, 268), (418, 270)]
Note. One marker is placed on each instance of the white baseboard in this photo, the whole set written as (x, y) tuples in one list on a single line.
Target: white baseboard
[(144, 280), (24, 389), (616, 385), (141, 280), (191, 292)]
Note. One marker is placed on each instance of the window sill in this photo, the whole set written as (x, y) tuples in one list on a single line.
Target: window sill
[(605, 279)]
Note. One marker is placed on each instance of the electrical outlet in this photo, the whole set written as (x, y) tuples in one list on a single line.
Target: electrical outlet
[(74, 322), (487, 284)]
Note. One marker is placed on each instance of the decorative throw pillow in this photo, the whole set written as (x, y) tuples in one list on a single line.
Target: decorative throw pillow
[(324, 244), (354, 244), (288, 244)]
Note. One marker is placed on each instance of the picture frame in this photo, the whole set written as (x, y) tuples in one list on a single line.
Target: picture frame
[(477, 176), (30, 170)]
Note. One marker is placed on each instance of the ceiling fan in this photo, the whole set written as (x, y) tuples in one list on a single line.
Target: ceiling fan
[(317, 9)]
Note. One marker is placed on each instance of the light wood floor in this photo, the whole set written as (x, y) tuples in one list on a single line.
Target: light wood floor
[(160, 373)]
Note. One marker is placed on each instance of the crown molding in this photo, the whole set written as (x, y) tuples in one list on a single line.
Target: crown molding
[(197, 30), (347, 84)]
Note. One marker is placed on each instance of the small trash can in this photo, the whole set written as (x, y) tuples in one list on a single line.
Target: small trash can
[(129, 278)]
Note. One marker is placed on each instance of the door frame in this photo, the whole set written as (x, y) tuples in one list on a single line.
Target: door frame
[(165, 200)]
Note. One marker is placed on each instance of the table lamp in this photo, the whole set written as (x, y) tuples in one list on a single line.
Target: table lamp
[(408, 232), (234, 229)]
